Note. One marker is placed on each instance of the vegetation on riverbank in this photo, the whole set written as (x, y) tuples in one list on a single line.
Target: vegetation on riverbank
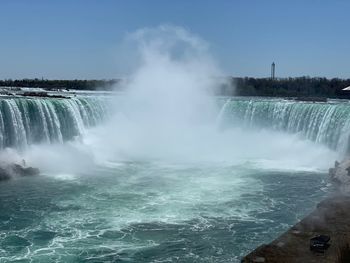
[(281, 87), (75, 84), (287, 87)]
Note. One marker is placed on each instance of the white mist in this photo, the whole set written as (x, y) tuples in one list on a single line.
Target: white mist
[(169, 113)]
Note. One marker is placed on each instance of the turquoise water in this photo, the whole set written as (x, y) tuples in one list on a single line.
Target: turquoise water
[(25, 121), (152, 212), (324, 123), (151, 186)]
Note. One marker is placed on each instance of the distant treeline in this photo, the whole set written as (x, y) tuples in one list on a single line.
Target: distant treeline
[(281, 87), (287, 87), (61, 84)]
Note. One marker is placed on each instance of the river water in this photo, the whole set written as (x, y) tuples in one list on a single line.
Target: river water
[(191, 197)]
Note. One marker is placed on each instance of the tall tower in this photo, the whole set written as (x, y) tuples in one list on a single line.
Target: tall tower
[(273, 66)]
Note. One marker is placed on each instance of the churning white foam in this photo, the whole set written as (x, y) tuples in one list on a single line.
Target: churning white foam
[(169, 114)]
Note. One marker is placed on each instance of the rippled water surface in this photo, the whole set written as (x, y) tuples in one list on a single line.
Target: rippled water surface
[(152, 212)]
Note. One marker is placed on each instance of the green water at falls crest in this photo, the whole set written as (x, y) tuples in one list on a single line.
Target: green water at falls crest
[(26, 121)]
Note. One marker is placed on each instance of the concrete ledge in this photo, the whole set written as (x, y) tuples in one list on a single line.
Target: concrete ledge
[(331, 217)]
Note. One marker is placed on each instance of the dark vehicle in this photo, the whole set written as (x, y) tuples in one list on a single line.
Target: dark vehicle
[(319, 243)]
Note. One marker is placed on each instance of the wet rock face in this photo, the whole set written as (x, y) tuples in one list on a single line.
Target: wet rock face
[(340, 174), (7, 171), (24, 171), (4, 174)]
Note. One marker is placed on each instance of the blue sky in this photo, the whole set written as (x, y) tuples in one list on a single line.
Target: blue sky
[(67, 39)]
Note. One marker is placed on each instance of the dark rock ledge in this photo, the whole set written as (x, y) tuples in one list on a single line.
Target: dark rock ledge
[(8, 171)]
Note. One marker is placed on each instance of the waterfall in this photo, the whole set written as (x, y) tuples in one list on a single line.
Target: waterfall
[(326, 123), (25, 121)]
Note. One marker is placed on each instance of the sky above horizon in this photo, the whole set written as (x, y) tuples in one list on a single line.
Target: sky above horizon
[(79, 39)]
